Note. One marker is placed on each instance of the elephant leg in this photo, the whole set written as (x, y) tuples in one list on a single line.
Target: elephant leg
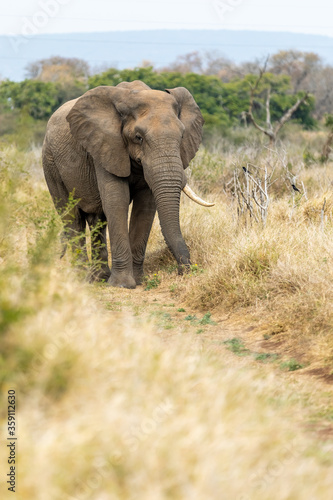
[(99, 252), (73, 217), (142, 218), (115, 197), (74, 235)]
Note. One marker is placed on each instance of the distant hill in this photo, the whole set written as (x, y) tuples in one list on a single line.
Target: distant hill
[(129, 48)]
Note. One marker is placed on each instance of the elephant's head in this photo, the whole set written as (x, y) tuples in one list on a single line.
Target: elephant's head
[(160, 132)]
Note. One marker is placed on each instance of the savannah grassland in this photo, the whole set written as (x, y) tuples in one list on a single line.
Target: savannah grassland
[(212, 385)]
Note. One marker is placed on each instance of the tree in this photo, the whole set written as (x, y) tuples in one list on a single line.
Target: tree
[(58, 69), (38, 99), (268, 129), (301, 67), (206, 90), (323, 91), (69, 74), (188, 63), (222, 103), (204, 63)]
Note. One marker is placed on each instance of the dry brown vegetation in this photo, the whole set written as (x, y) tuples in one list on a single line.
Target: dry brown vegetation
[(112, 406), (278, 277)]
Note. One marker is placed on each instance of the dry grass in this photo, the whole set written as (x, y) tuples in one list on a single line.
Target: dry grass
[(138, 420), (107, 410), (279, 276)]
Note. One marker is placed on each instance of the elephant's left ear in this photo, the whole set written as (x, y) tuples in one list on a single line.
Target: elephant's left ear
[(191, 117)]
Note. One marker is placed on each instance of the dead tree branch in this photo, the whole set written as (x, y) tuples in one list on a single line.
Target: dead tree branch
[(269, 130), (252, 193), (288, 114)]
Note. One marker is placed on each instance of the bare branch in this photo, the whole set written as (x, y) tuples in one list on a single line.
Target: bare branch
[(268, 112), (269, 130), (304, 191), (263, 130), (258, 185), (257, 202), (288, 114)]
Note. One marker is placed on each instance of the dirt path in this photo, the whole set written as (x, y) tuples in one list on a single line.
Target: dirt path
[(232, 342)]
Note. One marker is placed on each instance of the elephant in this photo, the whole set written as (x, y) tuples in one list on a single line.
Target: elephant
[(114, 146)]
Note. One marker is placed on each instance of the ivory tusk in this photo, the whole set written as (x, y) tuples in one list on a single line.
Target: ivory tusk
[(194, 197)]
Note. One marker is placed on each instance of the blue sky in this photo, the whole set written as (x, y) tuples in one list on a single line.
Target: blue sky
[(66, 16)]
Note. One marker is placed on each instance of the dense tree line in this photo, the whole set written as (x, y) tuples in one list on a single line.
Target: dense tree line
[(221, 88), (221, 104)]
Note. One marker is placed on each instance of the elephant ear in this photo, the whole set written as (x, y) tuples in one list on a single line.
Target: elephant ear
[(191, 117), (96, 124)]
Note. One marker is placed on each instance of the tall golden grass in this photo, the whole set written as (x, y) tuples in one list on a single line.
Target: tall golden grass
[(106, 410), (280, 276)]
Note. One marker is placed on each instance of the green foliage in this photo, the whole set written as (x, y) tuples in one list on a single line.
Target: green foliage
[(191, 317), (221, 103), (37, 99), (291, 365), (164, 320), (207, 320), (236, 99), (27, 103), (206, 90), (266, 357), (329, 122), (152, 282), (195, 270), (26, 106), (236, 346)]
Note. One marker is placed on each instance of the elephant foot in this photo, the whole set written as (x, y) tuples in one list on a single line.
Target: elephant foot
[(122, 281)]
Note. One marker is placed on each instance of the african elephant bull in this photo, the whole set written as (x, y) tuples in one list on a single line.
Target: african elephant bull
[(117, 145)]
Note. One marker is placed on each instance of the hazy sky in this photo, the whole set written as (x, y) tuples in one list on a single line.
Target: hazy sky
[(61, 16)]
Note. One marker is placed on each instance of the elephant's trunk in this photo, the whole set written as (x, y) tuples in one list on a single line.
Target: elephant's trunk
[(166, 179)]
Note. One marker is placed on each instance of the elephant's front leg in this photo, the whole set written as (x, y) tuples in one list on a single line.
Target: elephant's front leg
[(142, 218), (115, 200)]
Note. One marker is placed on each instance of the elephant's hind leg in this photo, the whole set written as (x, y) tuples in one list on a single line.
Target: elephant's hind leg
[(73, 217), (100, 270), (74, 234)]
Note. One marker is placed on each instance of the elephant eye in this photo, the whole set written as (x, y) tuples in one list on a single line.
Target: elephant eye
[(139, 138)]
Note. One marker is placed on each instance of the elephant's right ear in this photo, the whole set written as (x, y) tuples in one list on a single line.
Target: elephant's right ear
[(96, 124)]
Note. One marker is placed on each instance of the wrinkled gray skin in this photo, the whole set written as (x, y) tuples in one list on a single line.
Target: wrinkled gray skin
[(117, 145)]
